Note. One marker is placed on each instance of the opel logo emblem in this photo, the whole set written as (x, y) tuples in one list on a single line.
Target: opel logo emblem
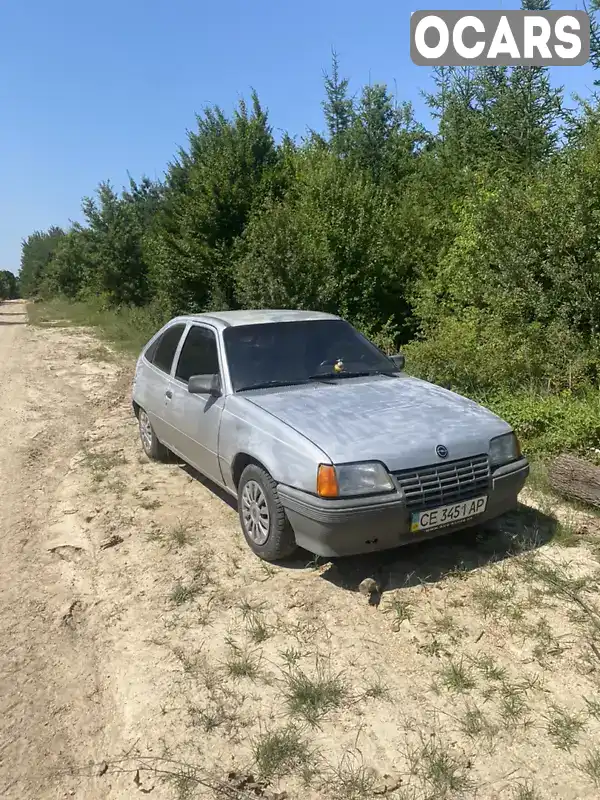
[(441, 451)]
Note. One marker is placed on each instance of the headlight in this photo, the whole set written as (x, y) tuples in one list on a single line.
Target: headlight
[(504, 449), (346, 480)]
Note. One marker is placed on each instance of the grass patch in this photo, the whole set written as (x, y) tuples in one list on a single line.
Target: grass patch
[(557, 583), (591, 766), (491, 600), (566, 532), (312, 697), (278, 753), (514, 708), (181, 592), (377, 690), (218, 712), (290, 656), (208, 719), (441, 772), (150, 505), (456, 677), (475, 724), (524, 791), (490, 670), (100, 464), (538, 480), (191, 663), (351, 779), (257, 628), (128, 328), (180, 535), (444, 625), (547, 643), (400, 610), (242, 662), (98, 353), (593, 706), (564, 728), (117, 486)]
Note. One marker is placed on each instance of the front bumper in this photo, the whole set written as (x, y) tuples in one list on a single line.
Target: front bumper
[(363, 525)]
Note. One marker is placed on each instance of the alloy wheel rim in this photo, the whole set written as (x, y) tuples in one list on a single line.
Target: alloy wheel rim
[(255, 513), (145, 431)]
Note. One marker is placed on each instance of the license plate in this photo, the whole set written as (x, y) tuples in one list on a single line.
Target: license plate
[(447, 515)]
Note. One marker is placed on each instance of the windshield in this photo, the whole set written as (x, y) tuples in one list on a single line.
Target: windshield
[(284, 353)]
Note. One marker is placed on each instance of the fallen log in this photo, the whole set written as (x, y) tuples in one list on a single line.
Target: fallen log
[(575, 479)]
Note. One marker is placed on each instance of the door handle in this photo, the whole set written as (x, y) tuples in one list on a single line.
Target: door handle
[(169, 394)]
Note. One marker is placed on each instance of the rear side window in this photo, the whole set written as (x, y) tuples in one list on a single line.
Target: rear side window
[(162, 352), (198, 355)]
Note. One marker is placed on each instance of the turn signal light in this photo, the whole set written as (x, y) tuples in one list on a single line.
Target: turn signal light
[(327, 485)]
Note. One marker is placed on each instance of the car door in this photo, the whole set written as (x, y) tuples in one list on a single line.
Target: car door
[(153, 381), (196, 418)]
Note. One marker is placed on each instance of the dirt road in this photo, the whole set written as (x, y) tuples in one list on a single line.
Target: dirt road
[(50, 700), (144, 650)]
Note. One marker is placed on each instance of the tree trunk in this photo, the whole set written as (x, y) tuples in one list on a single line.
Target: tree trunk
[(575, 479)]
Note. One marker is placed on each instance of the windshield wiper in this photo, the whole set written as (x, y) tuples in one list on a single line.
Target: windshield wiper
[(364, 374), (268, 384)]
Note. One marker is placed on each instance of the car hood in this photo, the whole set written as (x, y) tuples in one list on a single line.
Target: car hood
[(396, 420)]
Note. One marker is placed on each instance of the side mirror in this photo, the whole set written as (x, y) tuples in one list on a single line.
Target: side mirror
[(398, 360), (205, 384)]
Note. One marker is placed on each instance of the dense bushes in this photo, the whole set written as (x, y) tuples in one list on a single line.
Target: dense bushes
[(475, 246), (9, 285)]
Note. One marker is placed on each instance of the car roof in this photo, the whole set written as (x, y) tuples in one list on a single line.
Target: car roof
[(226, 319)]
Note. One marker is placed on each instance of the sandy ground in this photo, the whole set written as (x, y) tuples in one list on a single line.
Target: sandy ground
[(145, 650)]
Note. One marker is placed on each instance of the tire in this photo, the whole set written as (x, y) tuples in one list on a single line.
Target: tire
[(262, 517), (152, 447)]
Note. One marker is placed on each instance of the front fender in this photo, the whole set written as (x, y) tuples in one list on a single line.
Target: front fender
[(288, 456)]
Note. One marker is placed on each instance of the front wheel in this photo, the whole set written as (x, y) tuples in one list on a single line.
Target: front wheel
[(262, 517), (152, 447)]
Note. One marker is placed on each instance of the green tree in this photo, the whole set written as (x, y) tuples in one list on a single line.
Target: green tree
[(11, 283), (71, 265), (337, 243), (338, 107), (593, 7), (229, 168), (5, 286), (37, 253), (115, 264), (384, 138), (463, 137)]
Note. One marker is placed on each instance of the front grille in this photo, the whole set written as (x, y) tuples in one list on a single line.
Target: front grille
[(442, 484)]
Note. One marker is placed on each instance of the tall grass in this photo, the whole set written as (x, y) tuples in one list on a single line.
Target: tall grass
[(126, 328)]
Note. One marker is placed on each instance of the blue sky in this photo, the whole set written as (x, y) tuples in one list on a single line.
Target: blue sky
[(90, 91)]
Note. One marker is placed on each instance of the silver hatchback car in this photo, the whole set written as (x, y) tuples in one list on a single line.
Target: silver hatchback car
[(325, 442)]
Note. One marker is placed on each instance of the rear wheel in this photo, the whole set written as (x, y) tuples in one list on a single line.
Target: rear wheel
[(152, 447), (262, 517)]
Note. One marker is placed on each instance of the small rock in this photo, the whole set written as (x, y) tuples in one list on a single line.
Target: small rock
[(102, 768), (368, 587), (387, 785), (328, 567)]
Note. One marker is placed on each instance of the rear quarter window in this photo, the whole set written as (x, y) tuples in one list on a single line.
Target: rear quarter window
[(162, 351)]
